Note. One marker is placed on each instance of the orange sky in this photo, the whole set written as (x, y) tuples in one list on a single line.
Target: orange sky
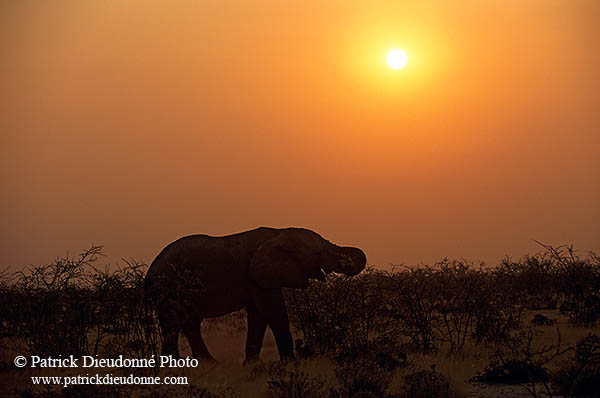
[(131, 123)]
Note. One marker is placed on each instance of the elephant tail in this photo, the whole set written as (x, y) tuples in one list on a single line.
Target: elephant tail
[(157, 282), (148, 302), (151, 328), (152, 291)]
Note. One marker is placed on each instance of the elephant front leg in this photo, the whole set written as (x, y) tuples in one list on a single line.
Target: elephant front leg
[(283, 338), (257, 325), (271, 306)]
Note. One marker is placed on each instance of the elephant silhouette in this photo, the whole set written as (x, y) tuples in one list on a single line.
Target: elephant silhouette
[(202, 276)]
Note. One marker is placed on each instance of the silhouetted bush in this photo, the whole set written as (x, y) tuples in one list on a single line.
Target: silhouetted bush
[(123, 391), (514, 371), (77, 391), (363, 377), (340, 314), (289, 381), (503, 310), (534, 277), (578, 285), (53, 307), (411, 299), (475, 302), (542, 320), (580, 376), (71, 307), (124, 319), (462, 293), (516, 361), (452, 302), (384, 357), (558, 277), (427, 384), (7, 307)]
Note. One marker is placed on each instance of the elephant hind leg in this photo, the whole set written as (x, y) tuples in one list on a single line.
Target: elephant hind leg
[(271, 306), (170, 328), (170, 342), (192, 332)]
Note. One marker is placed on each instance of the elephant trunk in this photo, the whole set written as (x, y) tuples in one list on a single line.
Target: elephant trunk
[(348, 260)]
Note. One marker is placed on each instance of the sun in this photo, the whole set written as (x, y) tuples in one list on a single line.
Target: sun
[(396, 58)]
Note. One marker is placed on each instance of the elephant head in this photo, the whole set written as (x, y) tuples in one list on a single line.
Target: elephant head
[(296, 254)]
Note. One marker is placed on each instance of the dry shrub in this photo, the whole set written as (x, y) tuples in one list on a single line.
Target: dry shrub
[(363, 378), (427, 384), (581, 374), (452, 302), (7, 306), (577, 283), (289, 381), (339, 315), (71, 307), (125, 319), (519, 360), (53, 309), (534, 277), (410, 302), (122, 391), (542, 320)]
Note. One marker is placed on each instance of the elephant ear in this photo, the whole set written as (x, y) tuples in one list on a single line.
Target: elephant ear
[(282, 262)]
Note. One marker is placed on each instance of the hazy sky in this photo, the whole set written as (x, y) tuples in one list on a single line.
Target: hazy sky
[(132, 123)]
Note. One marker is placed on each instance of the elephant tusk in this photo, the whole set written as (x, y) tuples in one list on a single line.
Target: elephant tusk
[(320, 275)]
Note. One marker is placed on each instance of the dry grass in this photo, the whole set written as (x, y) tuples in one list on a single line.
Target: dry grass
[(227, 344), (229, 378)]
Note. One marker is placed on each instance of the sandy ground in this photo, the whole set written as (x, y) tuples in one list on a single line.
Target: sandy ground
[(481, 390), (227, 346), (226, 343)]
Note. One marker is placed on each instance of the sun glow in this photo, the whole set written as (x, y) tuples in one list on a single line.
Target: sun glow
[(396, 58)]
